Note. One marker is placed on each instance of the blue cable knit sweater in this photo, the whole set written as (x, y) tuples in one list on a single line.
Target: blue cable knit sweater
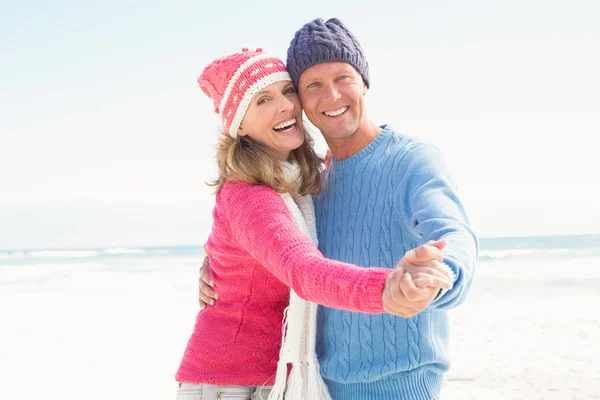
[(389, 198)]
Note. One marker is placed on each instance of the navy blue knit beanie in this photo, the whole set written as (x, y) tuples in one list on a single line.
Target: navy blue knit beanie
[(322, 41)]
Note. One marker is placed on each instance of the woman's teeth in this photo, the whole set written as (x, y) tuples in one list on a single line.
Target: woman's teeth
[(285, 126), (335, 113)]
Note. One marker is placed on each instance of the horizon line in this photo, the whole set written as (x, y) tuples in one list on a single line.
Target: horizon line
[(158, 246)]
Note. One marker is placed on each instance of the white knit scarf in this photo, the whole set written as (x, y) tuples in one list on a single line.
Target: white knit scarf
[(300, 317)]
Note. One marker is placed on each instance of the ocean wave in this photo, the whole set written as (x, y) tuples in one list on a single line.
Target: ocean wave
[(17, 255), (62, 253), (500, 255), (12, 255), (123, 250), (160, 251)]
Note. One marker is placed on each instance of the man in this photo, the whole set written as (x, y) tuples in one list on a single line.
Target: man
[(383, 195)]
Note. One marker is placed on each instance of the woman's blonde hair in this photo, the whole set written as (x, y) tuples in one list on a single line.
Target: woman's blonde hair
[(245, 159)]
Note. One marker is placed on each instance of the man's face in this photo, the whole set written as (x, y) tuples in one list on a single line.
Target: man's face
[(332, 96)]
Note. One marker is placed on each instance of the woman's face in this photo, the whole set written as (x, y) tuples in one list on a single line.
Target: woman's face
[(274, 118)]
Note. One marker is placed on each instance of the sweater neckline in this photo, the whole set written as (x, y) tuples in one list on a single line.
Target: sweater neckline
[(352, 160)]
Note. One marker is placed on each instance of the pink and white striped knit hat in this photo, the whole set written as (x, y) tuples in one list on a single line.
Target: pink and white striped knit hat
[(233, 80)]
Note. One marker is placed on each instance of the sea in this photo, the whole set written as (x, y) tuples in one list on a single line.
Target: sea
[(40, 266), (34, 270), (112, 323)]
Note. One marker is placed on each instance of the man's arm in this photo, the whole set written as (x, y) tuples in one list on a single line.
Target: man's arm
[(430, 208)]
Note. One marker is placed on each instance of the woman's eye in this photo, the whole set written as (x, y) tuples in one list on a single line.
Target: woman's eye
[(290, 90), (262, 101)]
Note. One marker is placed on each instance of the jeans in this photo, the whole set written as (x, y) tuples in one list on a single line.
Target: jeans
[(190, 391)]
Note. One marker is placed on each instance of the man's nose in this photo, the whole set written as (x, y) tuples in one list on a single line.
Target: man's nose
[(331, 93)]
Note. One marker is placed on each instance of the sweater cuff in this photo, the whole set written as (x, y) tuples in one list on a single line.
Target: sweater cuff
[(449, 266), (374, 285)]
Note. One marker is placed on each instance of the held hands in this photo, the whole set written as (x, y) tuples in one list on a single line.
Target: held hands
[(416, 281)]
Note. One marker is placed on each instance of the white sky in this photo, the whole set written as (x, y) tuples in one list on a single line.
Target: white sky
[(105, 138)]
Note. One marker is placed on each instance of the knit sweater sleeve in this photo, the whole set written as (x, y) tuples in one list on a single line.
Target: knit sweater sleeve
[(431, 210), (261, 224)]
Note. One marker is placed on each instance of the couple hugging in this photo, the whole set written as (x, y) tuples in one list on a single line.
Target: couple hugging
[(379, 240)]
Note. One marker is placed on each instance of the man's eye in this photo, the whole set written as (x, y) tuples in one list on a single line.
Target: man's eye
[(312, 85), (343, 77)]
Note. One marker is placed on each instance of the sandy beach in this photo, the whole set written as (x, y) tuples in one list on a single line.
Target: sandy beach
[(117, 332), (538, 338)]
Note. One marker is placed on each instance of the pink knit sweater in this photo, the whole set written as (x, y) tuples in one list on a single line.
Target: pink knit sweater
[(256, 254)]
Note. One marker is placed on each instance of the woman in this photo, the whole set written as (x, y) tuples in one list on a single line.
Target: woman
[(263, 242)]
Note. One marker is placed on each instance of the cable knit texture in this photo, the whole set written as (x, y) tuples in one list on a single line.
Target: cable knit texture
[(321, 41), (389, 198), (256, 254)]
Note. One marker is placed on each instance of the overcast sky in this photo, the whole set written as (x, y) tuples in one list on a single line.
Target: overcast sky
[(106, 139)]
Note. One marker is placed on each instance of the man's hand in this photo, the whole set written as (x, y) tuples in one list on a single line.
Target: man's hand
[(327, 159), (207, 294), (423, 265), (426, 267)]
